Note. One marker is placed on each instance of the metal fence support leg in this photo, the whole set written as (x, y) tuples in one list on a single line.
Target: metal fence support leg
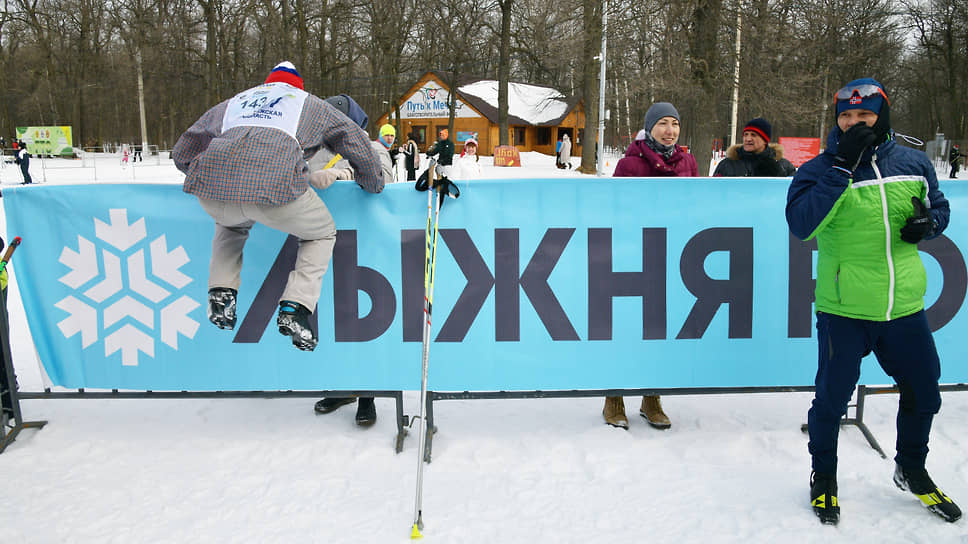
[(9, 402), (429, 426), (401, 421), (858, 421)]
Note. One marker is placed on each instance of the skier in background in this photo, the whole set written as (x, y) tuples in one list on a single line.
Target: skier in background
[(23, 159)]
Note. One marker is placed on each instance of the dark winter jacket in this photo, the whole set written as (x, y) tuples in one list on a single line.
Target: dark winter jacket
[(864, 269), (954, 155), (445, 151), (642, 161), (411, 155), (767, 163)]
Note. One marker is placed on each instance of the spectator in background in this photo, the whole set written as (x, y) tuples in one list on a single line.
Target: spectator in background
[(23, 159), (468, 166), (756, 156), (327, 158), (411, 154), (656, 154), (245, 161), (953, 157), (444, 149), (869, 201), (388, 153), (564, 153)]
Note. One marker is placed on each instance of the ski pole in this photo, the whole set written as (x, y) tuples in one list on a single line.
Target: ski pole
[(433, 217), (9, 253)]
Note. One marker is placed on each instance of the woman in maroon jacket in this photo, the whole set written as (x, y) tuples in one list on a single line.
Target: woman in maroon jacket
[(654, 153)]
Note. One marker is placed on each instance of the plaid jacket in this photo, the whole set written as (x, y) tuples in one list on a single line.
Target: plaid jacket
[(261, 165)]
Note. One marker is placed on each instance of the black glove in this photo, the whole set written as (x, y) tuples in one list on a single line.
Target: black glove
[(919, 225), (766, 166), (852, 145)]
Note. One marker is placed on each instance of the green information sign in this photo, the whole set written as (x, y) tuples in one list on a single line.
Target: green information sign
[(47, 140)]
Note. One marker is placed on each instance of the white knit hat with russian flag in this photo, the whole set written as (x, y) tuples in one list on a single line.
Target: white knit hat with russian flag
[(285, 72)]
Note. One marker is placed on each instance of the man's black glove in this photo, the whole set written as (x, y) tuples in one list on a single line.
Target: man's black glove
[(919, 225), (853, 144)]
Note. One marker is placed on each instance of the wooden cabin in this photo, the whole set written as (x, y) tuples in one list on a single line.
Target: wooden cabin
[(537, 115)]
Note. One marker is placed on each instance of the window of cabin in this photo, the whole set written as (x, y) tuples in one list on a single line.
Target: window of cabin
[(543, 135)]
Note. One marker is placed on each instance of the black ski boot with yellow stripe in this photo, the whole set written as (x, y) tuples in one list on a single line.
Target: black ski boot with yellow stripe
[(918, 482), (823, 497)]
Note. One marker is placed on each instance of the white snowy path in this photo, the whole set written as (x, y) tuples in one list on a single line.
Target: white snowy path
[(733, 468)]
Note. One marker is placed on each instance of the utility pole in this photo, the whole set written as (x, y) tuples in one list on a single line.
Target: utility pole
[(601, 94)]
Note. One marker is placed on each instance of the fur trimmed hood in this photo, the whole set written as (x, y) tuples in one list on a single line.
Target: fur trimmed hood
[(732, 153)]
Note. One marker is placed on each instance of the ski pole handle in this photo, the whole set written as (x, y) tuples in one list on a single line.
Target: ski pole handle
[(9, 253), (332, 162)]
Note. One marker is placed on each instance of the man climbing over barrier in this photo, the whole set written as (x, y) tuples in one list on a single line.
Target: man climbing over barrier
[(245, 161)]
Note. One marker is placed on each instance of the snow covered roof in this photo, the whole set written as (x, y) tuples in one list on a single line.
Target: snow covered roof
[(527, 104)]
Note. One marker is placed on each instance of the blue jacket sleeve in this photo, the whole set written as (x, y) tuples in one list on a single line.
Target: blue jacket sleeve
[(813, 192), (940, 210)]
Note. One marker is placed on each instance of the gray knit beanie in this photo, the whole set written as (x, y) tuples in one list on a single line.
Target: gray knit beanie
[(658, 111)]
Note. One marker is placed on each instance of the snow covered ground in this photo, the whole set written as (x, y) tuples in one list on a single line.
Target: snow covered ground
[(733, 468)]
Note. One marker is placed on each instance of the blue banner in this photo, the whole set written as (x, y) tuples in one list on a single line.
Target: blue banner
[(541, 284)]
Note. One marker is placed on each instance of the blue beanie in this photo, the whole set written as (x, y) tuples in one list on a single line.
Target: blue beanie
[(873, 102), (349, 108), (658, 111)]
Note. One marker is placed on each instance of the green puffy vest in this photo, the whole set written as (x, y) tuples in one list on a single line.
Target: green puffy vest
[(864, 269)]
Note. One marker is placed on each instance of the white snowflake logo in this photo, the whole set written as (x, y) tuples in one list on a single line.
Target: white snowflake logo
[(131, 338)]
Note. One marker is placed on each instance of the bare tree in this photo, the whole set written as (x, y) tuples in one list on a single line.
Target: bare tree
[(504, 71), (592, 44), (73, 61), (939, 77)]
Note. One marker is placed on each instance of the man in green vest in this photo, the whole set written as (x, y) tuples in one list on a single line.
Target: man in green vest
[(869, 201)]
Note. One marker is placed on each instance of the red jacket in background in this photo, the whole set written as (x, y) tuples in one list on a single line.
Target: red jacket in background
[(641, 161)]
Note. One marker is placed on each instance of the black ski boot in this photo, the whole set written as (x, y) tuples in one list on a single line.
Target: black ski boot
[(366, 412), (330, 404), (918, 482), (293, 321), (823, 497), (221, 307)]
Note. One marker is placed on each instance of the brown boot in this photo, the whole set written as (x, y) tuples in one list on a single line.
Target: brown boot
[(614, 412), (651, 410)]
